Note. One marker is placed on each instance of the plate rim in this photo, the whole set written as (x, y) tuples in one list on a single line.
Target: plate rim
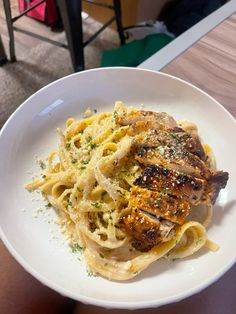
[(115, 69)]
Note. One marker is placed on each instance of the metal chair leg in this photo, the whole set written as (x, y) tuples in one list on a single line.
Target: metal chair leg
[(72, 21), (7, 9), (3, 57), (117, 8)]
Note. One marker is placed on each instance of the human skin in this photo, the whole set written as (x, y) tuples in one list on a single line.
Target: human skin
[(20, 293)]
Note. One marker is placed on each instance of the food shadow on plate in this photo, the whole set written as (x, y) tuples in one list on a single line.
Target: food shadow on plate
[(156, 268), (220, 211), (162, 265), (196, 255)]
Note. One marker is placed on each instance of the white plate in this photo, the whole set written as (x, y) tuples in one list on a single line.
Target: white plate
[(39, 246)]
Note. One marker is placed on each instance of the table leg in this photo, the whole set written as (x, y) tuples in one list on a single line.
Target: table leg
[(72, 21), (7, 9)]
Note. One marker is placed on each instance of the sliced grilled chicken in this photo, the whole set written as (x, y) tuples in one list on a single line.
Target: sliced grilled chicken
[(160, 117), (152, 134), (191, 142), (173, 158), (158, 178), (192, 189), (176, 174), (153, 217), (147, 230), (159, 204), (217, 181), (142, 127)]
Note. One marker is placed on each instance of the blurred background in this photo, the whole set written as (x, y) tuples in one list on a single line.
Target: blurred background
[(63, 38)]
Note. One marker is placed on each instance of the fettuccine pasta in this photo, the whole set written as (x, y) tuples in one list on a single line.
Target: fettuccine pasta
[(92, 181)]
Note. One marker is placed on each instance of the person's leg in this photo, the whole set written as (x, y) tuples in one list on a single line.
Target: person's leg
[(20, 293)]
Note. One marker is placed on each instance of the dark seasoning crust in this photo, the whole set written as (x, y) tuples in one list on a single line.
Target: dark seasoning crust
[(175, 176)]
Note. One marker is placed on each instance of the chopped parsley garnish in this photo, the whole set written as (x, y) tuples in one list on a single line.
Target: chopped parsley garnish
[(74, 161), (42, 165), (148, 186), (101, 255), (127, 173), (97, 205), (68, 145), (122, 193), (115, 114), (43, 176), (175, 135), (48, 205), (69, 203), (88, 138), (90, 143), (75, 247), (158, 203), (84, 162), (90, 273), (93, 145), (82, 168), (164, 192)]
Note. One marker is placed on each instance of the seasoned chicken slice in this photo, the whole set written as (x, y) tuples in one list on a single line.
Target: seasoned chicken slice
[(190, 141), (174, 158), (192, 189), (142, 127), (159, 204), (153, 216), (158, 178), (216, 182), (153, 134), (176, 174), (171, 147), (160, 117), (147, 230)]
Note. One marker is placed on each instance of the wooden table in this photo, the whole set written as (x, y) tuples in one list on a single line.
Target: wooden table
[(211, 64)]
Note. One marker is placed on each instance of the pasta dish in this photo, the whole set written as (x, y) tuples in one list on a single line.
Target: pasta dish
[(131, 187)]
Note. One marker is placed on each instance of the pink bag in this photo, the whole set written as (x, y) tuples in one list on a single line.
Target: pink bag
[(45, 12)]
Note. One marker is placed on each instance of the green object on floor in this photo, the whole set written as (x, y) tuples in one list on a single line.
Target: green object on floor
[(135, 52)]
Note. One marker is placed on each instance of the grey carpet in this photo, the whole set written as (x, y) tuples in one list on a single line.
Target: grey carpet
[(44, 64)]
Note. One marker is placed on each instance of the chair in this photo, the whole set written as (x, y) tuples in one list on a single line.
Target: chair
[(72, 21), (3, 57)]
